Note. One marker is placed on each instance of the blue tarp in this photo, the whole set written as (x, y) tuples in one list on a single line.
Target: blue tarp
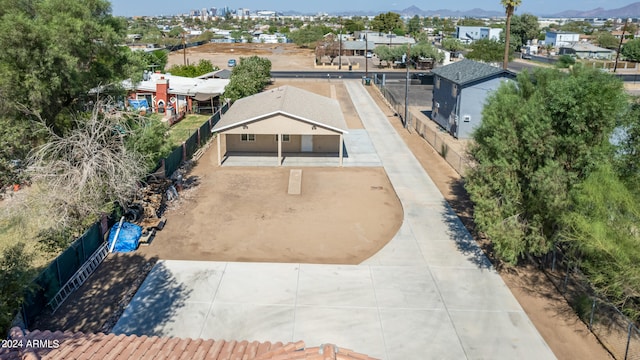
[(138, 104), (127, 238)]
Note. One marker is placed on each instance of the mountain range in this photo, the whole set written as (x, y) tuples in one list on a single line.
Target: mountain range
[(631, 10)]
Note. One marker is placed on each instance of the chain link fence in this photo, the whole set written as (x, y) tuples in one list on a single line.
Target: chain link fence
[(615, 331)]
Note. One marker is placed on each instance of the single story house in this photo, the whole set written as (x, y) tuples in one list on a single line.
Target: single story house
[(357, 48), (166, 93), (585, 50), (282, 120), (459, 93), (388, 39)]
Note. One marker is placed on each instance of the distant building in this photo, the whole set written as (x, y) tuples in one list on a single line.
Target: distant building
[(469, 34), (561, 38)]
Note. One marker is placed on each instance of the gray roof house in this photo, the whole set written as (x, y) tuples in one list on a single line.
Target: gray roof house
[(282, 120), (459, 93), (585, 50)]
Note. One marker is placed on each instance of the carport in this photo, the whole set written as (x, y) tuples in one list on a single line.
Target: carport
[(283, 120)]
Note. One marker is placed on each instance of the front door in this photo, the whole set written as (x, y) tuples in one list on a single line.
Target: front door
[(306, 144)]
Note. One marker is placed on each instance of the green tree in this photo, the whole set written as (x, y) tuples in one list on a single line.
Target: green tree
[(606, 40), (176, 32), (540, 136), (601, 233), (55, 51), (17, 273), (627, 139), (486, 50), (509, 6), (425, 50), (388, 22), (351, 26), (309, 35), (452, 44), (249, 77), (523, 29), (414, 26), (565, 61), (202, 67), (631, 50), (471, 22)]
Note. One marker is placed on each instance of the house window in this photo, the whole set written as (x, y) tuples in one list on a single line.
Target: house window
[(454, 90), (437, 82), (248, 137), (285, 138)]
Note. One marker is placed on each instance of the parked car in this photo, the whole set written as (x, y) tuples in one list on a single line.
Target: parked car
[(369, 54), (526, 56), (231, 63)]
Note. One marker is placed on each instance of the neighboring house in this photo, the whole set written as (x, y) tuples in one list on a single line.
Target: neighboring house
[(587, 51), (379, 38), (459, 93), (76, 345), (560, 38), (469, 34), (166, 93), (357, 48), (282, 120)]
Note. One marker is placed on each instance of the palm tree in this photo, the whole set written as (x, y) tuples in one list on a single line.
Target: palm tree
[(509, 6)]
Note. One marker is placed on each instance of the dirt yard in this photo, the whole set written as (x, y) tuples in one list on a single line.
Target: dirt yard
[(343, 216), (284, 57)]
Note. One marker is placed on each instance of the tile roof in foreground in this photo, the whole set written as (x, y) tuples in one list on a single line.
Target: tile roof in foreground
[(68, 345)]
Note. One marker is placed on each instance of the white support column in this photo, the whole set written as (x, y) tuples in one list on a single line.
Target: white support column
[(279, 149), (340, 149), (219, 156)]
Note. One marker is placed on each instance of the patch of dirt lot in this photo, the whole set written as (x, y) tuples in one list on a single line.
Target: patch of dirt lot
[(284, 57), (343, 216)]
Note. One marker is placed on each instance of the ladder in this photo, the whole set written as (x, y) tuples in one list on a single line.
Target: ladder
[(79, 277)]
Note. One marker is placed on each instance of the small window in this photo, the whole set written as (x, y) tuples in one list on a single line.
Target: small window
[(285, 138), (437, 82), (466, 118), (454, 90), (248, 137)]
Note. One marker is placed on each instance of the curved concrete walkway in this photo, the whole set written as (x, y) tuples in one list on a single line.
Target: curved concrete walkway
[(428, 294)]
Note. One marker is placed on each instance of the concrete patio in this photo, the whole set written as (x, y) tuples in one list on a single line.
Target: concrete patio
[(430, 293)]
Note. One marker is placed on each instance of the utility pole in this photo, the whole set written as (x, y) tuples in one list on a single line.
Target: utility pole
[(366, 53), (184, 49), (340, 47), (406, 89), (624, 28)]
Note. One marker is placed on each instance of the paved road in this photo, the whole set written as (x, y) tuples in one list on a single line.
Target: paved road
[(430, 293)]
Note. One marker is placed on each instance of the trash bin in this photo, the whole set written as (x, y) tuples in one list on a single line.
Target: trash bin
[(367, 81), (350, 67)]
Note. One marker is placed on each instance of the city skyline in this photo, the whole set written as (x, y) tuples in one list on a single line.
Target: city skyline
[(166, 7)]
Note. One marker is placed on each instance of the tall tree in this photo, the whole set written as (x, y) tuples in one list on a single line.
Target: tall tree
[(537, 141), (388, 22), (54, 52), (523, 29), (510, 7), (486, 50), (631, 50)]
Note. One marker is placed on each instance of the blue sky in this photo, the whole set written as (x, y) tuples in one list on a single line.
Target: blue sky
[(167, 7)]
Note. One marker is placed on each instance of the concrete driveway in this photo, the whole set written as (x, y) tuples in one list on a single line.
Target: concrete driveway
[(430, 293)]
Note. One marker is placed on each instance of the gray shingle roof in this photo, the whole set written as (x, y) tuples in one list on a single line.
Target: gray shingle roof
[(297, 103), (466, 71)]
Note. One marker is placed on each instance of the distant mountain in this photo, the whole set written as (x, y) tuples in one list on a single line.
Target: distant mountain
[(631, 10)]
